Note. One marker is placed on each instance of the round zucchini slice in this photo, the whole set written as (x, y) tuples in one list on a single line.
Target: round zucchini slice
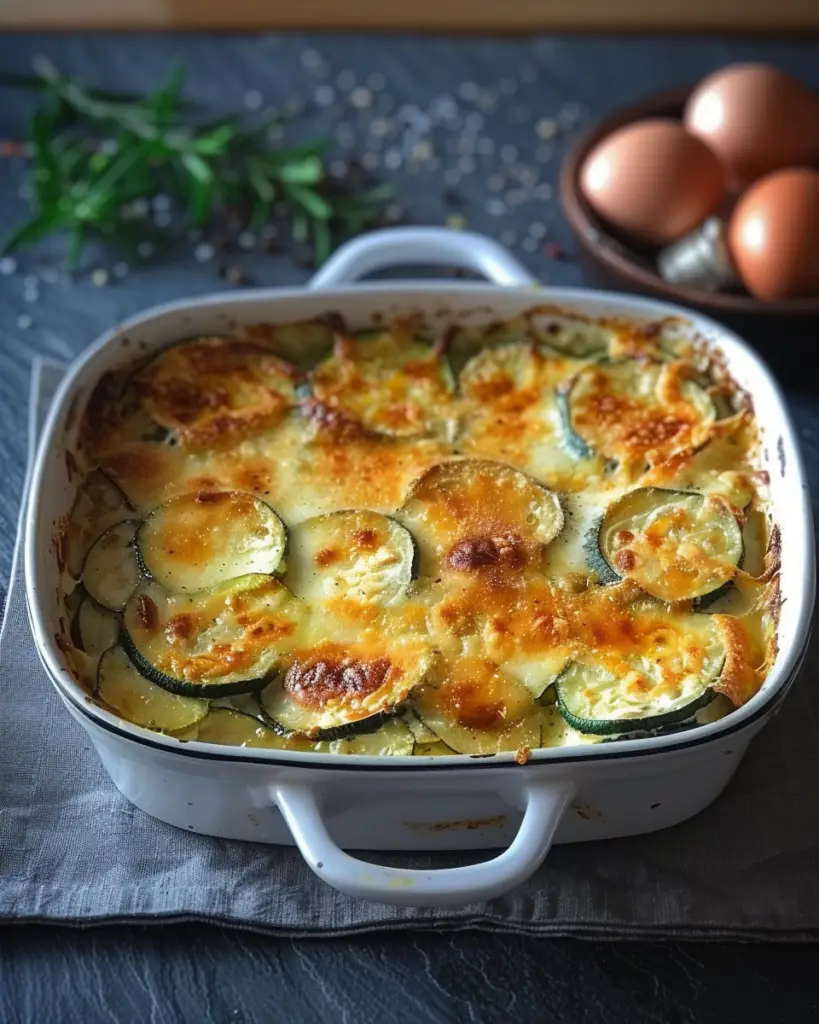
[(197, 541), (237, 729), (98, 505), (475, 707), (675, 673), (595, 701), (111, 571), (498, 371), (213, 391), (676, 545), (95, 628), (473, 516), (358, 554), (571, 336), (631, 411), (226, 640), (391, 383), (513, 415), (336, 690), (142, 702)]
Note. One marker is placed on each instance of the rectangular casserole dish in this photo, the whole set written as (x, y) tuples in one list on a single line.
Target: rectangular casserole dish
[(326, 803)]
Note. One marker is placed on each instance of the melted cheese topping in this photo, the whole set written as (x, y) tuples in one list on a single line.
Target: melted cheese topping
[(636, 412), (504, 597)]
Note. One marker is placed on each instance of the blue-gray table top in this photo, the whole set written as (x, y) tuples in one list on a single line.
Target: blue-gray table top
[(418, 100)]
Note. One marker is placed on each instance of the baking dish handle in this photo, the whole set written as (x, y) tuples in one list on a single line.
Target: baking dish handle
[(545, 803), (407, 247)]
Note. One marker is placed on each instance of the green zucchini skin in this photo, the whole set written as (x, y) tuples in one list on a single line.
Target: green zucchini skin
[(297, 702), (147, 642), (622, 726), (662, 498), (228, 727), (339, 732), (575, 445), (606, 576), (185, 687), (131, 694), (99, 503), (393, 738), (95, 628), (112, 569), (608, 727), (195, 580)]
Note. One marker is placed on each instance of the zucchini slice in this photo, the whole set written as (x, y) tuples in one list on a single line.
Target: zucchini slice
[(498, 371), (358, 554), (111, 571), (593, 700), (631, 411), (237, 729), (676, 672), (480, 517), (212, 391), (336, 690), (98, 505), (142, 702), (226, 640), (391, 383), (513, 410), (477, 708), (393, 739), (570, 336), (95, 628), (675, 545), (197, 541)]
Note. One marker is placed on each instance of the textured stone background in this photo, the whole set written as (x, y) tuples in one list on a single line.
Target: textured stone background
[(200, 974)]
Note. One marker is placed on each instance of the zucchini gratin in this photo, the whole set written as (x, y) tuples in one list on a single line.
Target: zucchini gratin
[(548, 531)]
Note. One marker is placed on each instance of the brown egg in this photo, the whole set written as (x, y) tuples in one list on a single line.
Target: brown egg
[(652, 180), (756, 119), (773, 235)]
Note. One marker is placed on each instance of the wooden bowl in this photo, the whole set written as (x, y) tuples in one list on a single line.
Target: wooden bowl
[(612, 262)]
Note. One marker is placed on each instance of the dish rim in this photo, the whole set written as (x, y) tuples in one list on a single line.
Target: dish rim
[(776, 684)]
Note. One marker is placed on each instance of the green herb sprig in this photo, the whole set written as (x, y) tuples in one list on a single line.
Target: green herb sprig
[(93, 154)]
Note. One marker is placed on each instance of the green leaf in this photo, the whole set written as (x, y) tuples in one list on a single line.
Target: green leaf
[(197, 168), (260, 182), (310, 201), (306, 171), (214, 142), (165, 100), (201, 200)]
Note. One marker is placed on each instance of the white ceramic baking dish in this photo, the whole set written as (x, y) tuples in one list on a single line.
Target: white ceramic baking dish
[(326, 803)]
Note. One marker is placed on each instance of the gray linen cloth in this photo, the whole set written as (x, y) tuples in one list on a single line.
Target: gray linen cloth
[(73, 851)]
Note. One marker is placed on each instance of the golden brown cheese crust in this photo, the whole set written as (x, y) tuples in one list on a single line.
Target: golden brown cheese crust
[(216, 391), (382, 432)]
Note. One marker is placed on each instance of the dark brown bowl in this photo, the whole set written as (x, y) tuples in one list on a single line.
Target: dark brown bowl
[(611, 263)]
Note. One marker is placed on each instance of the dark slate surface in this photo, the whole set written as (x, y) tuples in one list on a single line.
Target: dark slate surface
[(202, 974)]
